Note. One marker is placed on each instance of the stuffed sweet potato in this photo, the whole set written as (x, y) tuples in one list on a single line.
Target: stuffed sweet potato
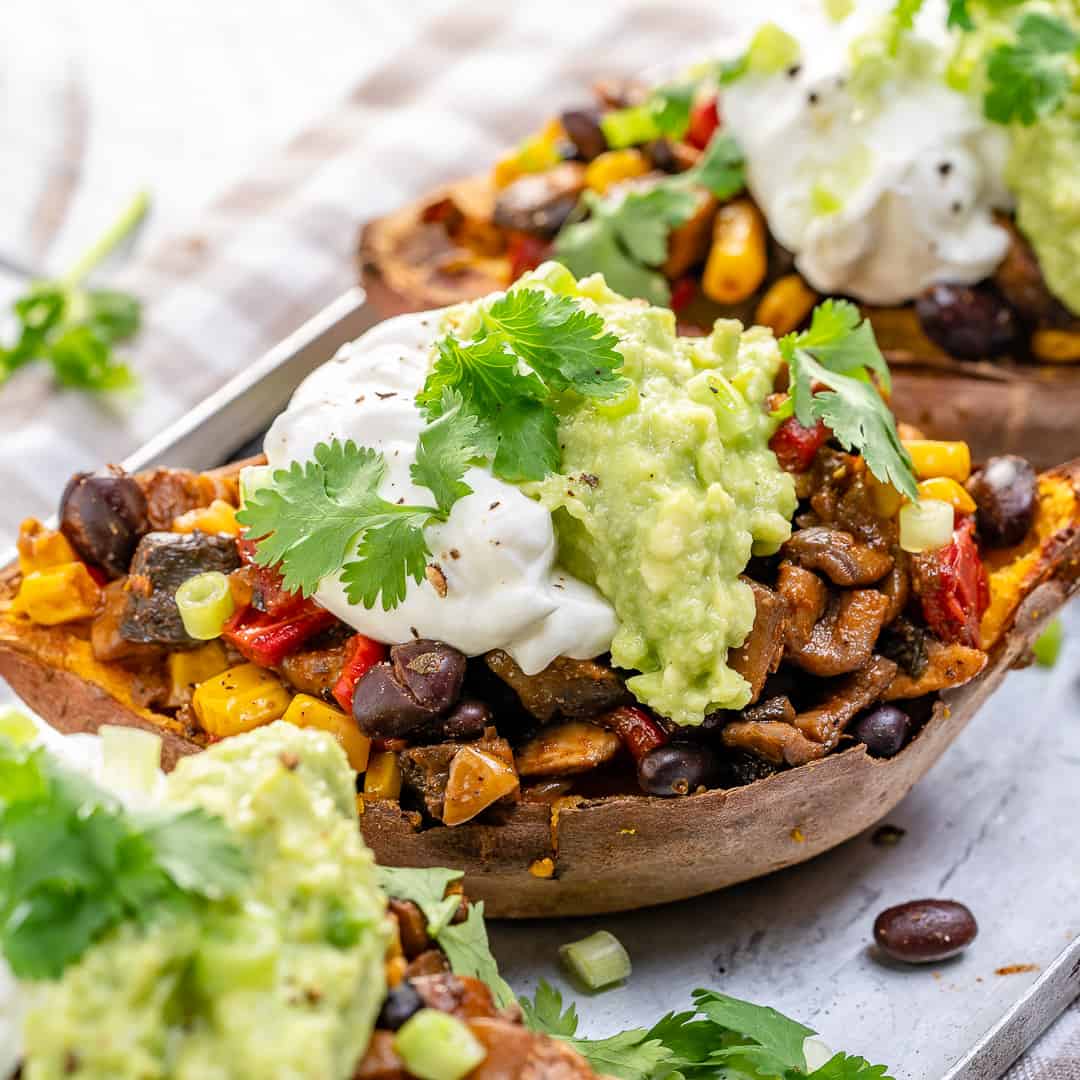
[(875, 623), (750, 187)]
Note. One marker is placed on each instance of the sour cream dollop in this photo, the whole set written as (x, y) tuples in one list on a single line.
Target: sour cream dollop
[(868, 167), (496, 554)]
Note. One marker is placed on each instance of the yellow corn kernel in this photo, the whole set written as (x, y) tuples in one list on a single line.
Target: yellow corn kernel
[(536, 154), (542, 868), (60, 594), (237, 700), (217, 518), (786, 303), (1056, 346), (933, 457), (738, 257), (947, 490), (41, 548), (383, 777), (308, 711), (885, 499), (614, 166), (194, 666)]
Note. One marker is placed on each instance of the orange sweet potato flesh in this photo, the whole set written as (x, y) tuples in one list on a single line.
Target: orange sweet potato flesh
[(622, 852)]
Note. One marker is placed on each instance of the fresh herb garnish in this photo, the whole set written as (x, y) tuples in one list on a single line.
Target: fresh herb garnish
[(1031, 77), (486, 399), (310, 519), (718, 1036), (665, 113), (625, 236), (74, 328), (959, 17), (74, 863), (833, 365), (465, 943)]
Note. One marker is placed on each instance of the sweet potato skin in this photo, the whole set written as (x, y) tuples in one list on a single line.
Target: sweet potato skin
[(678, 847), (998, 408)]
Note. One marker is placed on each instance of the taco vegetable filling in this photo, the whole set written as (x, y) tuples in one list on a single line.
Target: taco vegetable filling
[(541, 545)]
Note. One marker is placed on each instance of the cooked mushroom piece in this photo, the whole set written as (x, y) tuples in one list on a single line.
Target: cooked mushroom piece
[(825, 724), (759, 655), (806, 597), (540, 203), (773, 740), (843, 639), (571, 688), (566, 749), (837, 554), (163, 561), (946, 665)]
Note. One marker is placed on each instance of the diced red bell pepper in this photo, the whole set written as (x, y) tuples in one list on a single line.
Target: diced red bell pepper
[(795, 446), (704, 120), (361, 654), (953, 587), (266, 639), (682, 292), (639, 732), (526, 253)]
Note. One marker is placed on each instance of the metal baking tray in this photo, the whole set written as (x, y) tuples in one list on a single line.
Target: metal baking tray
[(993, 825)]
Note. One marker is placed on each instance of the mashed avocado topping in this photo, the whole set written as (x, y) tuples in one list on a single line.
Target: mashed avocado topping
[(665, 494), (285, 978)]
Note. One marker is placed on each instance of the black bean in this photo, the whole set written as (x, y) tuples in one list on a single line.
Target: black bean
[(739, 768), (967, 321), (1006, 494), (467, 720), (883, 730), (385, 709), (582, 127), (925, 931), (676, 768), (104, 515), (662, 155), (431, 670), (401, 1002)]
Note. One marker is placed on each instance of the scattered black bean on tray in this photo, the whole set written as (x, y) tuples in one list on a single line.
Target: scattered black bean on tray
[(925, 931)]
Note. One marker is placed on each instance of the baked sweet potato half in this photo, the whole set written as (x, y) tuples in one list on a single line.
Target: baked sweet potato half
[(865, 664), (997, 364)]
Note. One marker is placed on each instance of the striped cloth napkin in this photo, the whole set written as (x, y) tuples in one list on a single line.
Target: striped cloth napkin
[(279, 245)]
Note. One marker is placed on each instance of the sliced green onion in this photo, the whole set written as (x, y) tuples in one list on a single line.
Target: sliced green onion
[(205, 602), (17, 726), (131, 758), (437, 1046), (629, 127), (596, 961), (816, 1053), (252, 478), (1047, 647), (772, 50), (838, 10), (925, 525)]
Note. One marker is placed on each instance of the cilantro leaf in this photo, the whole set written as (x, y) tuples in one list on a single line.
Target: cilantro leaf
[(847, 1067), (1030, 77), (666, 112), (73, 328), (959, 16), (466, 947), (444, 451), (782, 1036), (545, 1012), (392, 550), (426, 889), (831, 366), (76, 864), (722, 167)]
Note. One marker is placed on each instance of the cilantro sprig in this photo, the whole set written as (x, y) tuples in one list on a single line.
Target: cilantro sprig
[(625, 236), (1031, 77), (74, 863), (833, 366), (489, 399), (73, 328), (465, 943), (718, 1036)]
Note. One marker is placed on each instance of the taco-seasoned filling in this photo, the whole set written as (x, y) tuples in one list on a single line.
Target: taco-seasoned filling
[(657, 569)]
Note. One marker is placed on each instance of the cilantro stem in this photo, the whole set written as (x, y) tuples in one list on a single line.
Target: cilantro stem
[(115, 235)]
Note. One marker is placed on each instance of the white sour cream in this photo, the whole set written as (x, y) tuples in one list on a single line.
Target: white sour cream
[(497, 550), (879, 195)]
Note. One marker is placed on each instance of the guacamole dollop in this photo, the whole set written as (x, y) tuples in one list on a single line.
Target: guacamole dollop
[(666, 492), (285, 980)]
